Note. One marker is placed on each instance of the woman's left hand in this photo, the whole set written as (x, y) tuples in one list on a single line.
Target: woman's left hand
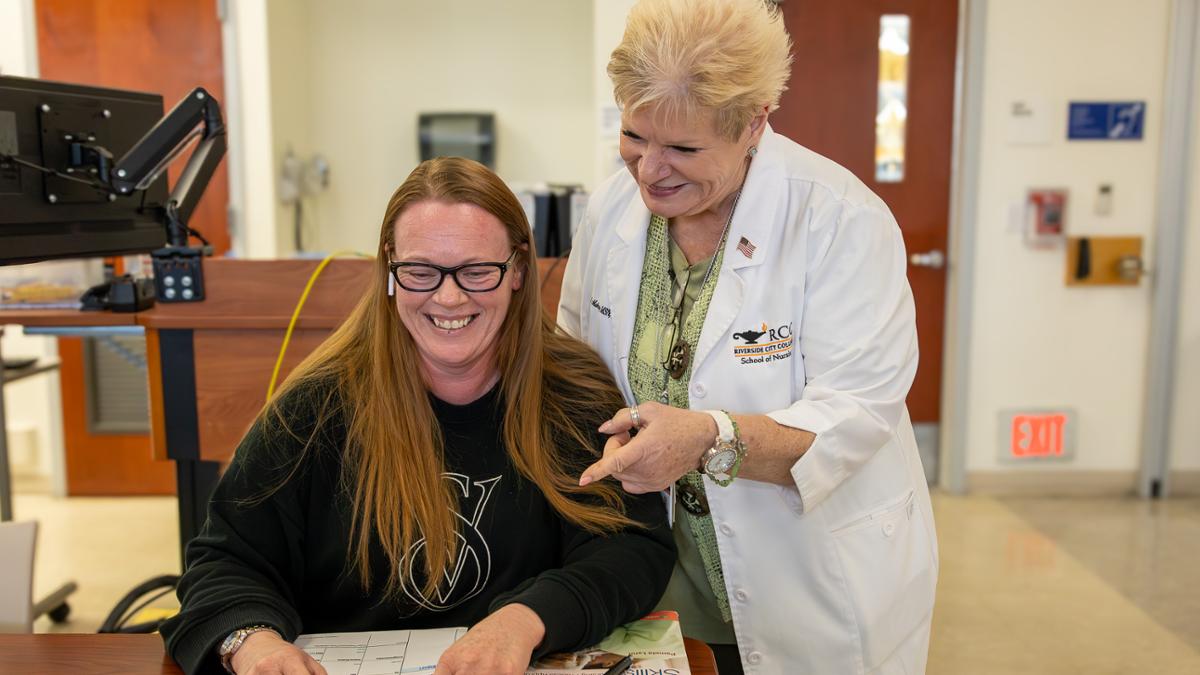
[(668, 444), (501, 644)]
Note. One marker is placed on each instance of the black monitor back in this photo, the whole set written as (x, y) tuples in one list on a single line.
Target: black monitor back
[(44, 216)]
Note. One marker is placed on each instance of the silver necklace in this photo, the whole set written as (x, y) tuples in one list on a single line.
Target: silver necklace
[(680, 354)]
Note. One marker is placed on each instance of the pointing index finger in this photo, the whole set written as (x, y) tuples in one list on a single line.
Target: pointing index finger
[(615, 460)]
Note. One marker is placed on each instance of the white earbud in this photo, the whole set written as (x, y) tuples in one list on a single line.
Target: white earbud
[(391, 286)]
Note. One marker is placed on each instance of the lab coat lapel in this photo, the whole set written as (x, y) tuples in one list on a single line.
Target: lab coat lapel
[(759, 207), (623, 271), (753, 220)]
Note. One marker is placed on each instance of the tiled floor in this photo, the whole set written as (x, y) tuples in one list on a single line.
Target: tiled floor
[(1067, 586), (106, 545), (1095, 586)]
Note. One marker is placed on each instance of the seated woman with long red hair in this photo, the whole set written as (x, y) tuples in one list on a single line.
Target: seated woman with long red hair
[(417, 470)]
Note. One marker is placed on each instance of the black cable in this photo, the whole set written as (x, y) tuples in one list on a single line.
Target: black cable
[(133, 612), (199, 236), (90, 183), (119, 614)]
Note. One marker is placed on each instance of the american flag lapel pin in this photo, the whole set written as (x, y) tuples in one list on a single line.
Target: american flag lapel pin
[(746, 247)]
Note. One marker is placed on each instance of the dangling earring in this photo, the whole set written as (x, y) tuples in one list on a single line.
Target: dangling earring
[(752, 151), (391, 286)]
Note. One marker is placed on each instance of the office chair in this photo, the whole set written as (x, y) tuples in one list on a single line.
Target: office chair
[(17, 541), (17, 608)]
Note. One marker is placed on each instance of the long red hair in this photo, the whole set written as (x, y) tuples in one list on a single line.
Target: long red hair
[(555, 390)]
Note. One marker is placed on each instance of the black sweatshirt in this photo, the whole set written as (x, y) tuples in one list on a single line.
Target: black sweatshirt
[(283, 561)]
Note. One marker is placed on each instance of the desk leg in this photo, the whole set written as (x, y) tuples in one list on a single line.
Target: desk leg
[(195, 481)]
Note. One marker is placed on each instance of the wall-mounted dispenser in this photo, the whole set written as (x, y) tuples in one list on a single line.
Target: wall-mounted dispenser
[(458, 134), (298, 179)]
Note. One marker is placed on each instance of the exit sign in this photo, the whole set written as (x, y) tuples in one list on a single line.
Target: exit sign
[(1037, 435)]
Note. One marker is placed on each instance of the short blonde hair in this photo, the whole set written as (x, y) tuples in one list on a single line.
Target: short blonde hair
[(684, 56)]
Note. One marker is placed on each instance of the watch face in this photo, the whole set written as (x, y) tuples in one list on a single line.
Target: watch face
[(720, 462), (227, 644)]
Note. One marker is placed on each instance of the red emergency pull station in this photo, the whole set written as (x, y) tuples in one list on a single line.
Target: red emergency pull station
[(1048, 209)]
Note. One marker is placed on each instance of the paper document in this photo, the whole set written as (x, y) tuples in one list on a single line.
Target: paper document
[(655, 643), (384, 652)]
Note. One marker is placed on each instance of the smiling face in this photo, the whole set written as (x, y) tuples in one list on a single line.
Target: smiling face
[(455, 332), (683, 167)]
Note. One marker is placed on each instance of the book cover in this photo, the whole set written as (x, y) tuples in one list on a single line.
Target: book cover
[(655, 643)]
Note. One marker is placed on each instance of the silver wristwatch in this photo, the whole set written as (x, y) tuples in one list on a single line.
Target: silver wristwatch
[(234, 641), (722, 461)]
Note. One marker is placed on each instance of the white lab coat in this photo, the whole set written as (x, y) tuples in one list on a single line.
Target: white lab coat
[(835, 573)]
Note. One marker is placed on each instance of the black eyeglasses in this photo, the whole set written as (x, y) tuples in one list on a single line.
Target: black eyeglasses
[(472, 277)]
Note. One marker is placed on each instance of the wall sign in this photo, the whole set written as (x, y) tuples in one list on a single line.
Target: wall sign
[(1121, 121), (1029, 121), (1037, 435)]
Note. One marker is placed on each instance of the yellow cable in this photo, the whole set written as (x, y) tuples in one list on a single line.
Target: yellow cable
[(287, 337)]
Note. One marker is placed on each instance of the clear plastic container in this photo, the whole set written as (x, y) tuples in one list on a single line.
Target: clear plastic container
[(48, 285)]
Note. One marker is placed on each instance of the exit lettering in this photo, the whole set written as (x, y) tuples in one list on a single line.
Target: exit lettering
[(1038, 435)]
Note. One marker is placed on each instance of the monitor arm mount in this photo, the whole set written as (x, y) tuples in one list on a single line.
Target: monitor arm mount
[(177, 267)]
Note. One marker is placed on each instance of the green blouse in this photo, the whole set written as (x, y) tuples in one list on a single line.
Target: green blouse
[(697, 587)]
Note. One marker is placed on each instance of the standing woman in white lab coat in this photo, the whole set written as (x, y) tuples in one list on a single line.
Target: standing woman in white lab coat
[(751, 299)]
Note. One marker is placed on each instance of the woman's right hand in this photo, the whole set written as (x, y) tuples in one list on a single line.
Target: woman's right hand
[(265, 653), (668, 444)]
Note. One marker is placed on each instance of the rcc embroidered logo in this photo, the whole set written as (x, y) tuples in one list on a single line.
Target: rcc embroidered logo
[(764, 345)]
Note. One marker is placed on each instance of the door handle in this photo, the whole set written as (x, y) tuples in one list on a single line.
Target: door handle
[(935, 259)]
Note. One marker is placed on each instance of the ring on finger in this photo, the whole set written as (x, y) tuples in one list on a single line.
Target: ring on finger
[(636, 417)]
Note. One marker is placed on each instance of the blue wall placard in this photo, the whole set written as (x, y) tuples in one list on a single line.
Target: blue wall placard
[(1122, 121)]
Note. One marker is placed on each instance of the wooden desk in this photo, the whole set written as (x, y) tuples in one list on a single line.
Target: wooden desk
[(209, 363), (84, 654), (88, 654)]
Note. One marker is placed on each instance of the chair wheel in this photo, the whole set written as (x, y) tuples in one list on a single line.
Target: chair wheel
[(59, 614)]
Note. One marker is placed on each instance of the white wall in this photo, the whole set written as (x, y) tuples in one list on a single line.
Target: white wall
[(608, 25), (18, 38), (1185, 432), (375, 65), (1034, 342), (32, 407), (249, 110), (288, 37)]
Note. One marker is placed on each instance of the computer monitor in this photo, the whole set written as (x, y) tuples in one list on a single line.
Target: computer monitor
[(77, 131)]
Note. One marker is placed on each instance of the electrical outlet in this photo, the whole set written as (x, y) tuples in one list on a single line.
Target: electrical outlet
[(178, 274)]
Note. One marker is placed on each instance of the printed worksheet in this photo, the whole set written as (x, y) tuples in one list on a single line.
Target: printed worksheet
[(652, 645), (387, 652)]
